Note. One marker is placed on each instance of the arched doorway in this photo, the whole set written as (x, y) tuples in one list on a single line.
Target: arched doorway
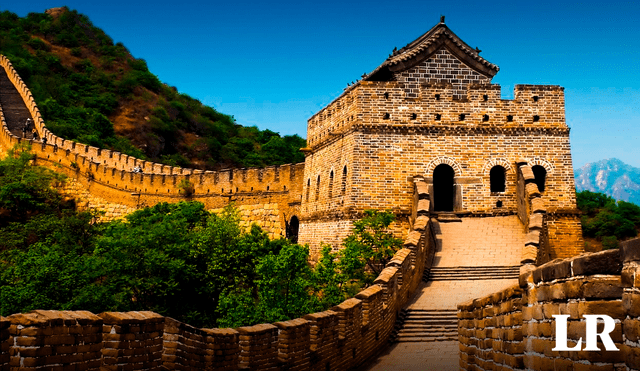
[(292, 229), (443, 188), (540, 173)]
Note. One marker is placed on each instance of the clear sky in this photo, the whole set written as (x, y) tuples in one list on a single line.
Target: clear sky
[(273, 64)]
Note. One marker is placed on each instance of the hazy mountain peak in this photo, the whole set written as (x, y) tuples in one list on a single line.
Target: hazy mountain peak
[(612, 177)]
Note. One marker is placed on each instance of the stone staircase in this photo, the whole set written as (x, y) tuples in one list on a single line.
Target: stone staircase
[(13, 107), (473, 257), (420, 325), (472, 273)]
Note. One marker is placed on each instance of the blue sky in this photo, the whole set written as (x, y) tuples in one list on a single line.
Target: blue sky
[(274, 64)]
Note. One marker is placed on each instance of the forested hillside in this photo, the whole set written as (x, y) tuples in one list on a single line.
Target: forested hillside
[(95, 92), (605, 221)]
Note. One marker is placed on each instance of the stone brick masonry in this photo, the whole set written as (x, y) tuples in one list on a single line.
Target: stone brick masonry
[(514, 328), (104, 180)]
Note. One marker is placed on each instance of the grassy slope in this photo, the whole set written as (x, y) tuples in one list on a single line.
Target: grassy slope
[(93, 91)]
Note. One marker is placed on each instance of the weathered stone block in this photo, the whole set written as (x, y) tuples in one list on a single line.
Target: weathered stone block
[(560, 269), (630, 250), (605, 262)]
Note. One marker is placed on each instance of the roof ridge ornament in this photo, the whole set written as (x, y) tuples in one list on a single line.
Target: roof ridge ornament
[(442, 19)]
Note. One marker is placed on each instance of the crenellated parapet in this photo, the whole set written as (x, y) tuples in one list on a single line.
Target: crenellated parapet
[(516, 329), (385, 105), (110, 175)]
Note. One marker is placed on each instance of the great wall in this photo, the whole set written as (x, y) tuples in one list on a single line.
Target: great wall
[(484, 194)]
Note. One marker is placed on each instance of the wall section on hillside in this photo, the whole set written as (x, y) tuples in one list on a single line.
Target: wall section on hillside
[(105, 179)]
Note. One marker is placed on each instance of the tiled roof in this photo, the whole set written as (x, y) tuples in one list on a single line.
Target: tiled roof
[(418, 50)]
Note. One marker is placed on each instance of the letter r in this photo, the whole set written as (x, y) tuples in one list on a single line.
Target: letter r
[(592, 332), (561, 334)]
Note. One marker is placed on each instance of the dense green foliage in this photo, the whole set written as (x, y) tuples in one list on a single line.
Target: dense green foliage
[(175, 259), (79, 101), (607, 219)]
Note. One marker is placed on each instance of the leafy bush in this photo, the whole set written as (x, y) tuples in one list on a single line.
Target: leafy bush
[(607, 219)]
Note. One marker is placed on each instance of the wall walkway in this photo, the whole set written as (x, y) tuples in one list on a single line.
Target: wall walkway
[(427, 336)]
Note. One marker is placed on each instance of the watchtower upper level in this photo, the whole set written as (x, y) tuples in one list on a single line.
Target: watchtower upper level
[(437, 81), (376, 103)]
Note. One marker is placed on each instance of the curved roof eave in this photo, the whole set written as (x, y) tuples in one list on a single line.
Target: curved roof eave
[(424, 46)]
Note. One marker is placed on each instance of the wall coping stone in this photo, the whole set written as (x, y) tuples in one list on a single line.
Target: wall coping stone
[(630, 250), (262, 328), (386, 275), (284, 325), (347, 305), (370, 291)]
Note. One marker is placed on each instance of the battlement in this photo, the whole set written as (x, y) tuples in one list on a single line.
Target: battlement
[(437, 105), (110, 176)]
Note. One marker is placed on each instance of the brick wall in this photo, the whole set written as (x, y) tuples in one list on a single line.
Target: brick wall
[(46, 339), (515, 329), (564, 235), (104, 179), (550, 235), (490, 331), (441, 67)]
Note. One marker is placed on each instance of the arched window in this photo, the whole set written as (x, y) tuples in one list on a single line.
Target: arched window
[(331, 184), (292, 228), (308, 188), (344, 180), (540, 173), (497, 178), (318, 188)]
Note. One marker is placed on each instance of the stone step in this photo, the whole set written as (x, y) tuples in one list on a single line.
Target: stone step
[(448, 218), (483, 270), (426, 325), (476, 277), (422, 339), (425, 334), (429, 317), (430, 323), (426, 328), (471, 273)]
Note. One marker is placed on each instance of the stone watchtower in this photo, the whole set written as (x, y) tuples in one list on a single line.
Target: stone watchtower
[(430, 111)]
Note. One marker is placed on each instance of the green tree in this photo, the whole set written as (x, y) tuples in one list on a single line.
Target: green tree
[(370, 247), (25, 190), (607, 220)]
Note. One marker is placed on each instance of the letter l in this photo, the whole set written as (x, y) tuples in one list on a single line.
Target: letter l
[(561, 334)]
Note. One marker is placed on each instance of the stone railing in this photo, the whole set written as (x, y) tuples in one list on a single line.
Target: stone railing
[(337, 339), (514, 328), (531, 211), (551, 233)]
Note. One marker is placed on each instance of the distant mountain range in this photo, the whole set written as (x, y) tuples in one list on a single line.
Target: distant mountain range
[(612, 177)]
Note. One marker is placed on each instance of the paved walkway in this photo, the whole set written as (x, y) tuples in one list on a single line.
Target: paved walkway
[(481, 242), (432, 356), (492, 241)]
